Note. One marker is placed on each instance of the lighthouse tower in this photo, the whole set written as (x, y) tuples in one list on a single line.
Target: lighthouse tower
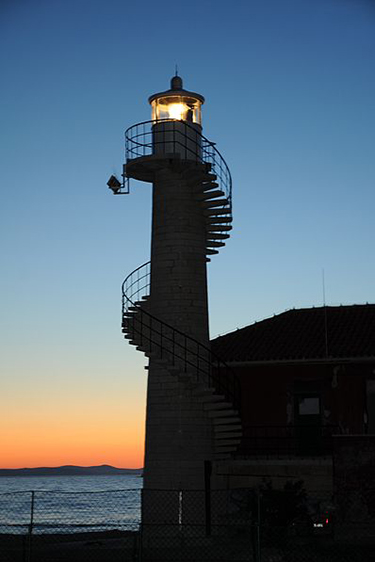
[(192, 397)]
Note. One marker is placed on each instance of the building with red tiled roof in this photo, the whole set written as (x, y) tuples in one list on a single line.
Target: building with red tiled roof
[(306, 375), (335, 332)]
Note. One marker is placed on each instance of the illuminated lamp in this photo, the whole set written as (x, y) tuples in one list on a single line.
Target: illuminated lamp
[(177, 120)]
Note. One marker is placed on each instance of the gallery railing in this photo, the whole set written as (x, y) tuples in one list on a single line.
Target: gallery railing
[(181, 138)]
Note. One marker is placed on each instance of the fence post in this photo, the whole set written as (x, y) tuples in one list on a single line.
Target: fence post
[(140, 538), (207, 489), (259, 550), (30, 533)]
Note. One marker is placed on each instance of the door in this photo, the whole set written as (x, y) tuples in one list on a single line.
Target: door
[(307, 421)]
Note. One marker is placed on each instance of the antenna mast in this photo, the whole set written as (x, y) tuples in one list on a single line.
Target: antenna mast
[(325, 313)]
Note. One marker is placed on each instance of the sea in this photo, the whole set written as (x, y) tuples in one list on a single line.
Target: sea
[(69, 504)]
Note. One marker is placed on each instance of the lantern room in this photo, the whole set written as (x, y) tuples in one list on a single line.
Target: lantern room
[(177, 122), (177, 104)]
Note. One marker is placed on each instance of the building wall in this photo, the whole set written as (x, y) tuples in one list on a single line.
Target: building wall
[(316, 474), (268, 393), (268, 399)]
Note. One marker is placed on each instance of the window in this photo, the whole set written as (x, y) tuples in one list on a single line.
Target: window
[(308, 406)]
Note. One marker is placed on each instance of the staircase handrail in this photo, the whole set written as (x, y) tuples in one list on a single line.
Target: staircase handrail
[(226, 384), (205, 150)]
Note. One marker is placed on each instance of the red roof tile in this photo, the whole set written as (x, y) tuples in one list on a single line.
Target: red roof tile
[(301, 334)]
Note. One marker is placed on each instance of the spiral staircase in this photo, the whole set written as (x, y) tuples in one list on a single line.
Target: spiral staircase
[(197, 369)]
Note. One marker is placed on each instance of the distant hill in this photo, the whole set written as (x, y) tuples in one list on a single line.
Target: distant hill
[(70, 470)]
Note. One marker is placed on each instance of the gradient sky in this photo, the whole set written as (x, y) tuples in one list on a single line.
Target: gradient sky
[(290, 102)]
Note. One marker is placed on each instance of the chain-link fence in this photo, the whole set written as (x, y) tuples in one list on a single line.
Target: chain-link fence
[(255, 525), (66, 526)]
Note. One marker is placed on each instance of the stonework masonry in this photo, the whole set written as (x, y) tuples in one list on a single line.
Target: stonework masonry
[(178, 436), (178, 257)]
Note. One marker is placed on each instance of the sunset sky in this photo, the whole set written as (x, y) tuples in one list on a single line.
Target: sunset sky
[(290, 102)]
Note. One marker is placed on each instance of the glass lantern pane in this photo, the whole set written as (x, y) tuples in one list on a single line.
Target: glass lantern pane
[(180, 108)]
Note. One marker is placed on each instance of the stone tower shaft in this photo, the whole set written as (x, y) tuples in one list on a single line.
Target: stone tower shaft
[(178, 291)]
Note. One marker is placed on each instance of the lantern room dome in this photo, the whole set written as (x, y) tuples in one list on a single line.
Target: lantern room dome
[(177, 88)]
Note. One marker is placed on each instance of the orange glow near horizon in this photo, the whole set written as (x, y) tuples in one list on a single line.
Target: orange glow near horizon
[(73, 426), (55, 446)]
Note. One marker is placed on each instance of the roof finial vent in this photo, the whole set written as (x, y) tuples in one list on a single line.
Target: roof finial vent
[(176, 82)]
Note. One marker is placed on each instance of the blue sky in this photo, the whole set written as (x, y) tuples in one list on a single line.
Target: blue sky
[(290, 102)]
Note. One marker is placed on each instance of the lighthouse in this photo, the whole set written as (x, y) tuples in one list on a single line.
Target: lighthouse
[(192, 414)]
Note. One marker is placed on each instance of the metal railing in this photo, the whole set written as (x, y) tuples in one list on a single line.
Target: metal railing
[(181, 351), (182, 138), (287, 440)]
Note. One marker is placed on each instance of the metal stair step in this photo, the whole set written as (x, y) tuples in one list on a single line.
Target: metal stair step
[(215, 244), (226, 420), (232, 444), (209, 195), (215, 203), (219, 405), (211, 252), (221, 446), (228, 440), (228, 434), (216, 398), (217, 414), (220, 236), (218, 220), (236, 426), (219, 227), (209, 185), (217, 212)]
